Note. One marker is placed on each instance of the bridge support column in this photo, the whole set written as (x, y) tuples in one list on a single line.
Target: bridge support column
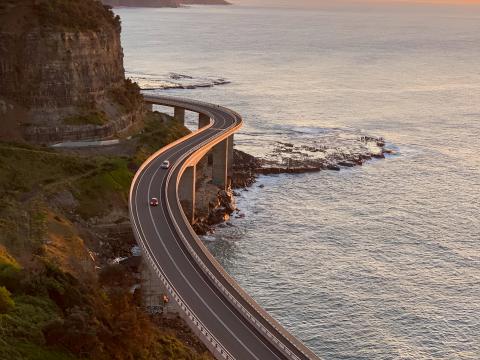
[(153, 292), (179, 115), (220, 162), (187, 190), (230, 158), (203, 120)]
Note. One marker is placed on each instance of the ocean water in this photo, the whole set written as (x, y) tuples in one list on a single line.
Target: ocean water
[(375, 262)]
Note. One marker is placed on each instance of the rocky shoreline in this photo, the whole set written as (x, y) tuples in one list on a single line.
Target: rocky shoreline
[(287, 159), (296, 159), (154, 82)]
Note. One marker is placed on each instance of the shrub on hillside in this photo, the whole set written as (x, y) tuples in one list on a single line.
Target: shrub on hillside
[(6, 301), (68, 15), (93, 118), (128, 96), (10, 271)]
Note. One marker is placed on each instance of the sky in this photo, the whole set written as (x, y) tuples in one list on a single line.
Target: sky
[(313, 3)]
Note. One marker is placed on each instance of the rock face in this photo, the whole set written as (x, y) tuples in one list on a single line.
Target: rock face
[(62, 79), (220, 208), (245, 169)]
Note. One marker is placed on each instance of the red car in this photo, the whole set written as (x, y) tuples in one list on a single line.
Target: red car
[(154, 202)]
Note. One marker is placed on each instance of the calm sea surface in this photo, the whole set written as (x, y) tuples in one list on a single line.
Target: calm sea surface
[(376, 262)]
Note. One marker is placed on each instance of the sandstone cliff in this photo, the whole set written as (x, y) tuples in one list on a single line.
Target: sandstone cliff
[(61, 72)]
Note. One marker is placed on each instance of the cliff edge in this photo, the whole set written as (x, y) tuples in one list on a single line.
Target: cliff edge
[(61, 72)]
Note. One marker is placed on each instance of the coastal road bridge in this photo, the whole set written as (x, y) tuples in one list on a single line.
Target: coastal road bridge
[(227, 320)]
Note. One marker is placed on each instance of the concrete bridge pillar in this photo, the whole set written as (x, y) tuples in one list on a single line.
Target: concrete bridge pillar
[(220, 164), (203, 120), (154, 292), (187, 190), (179, 115), (230, 157)]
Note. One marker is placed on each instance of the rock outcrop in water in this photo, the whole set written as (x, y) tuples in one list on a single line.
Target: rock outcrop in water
[(215, 207), (61, 72), (295, 159)]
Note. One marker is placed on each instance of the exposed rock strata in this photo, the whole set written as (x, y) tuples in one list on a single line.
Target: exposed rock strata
[(63, 81)]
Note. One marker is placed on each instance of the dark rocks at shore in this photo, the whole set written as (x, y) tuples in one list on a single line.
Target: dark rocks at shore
[(219, 211), (295, 159), (287, 158), (245, 169), (151, 82), (201, 227)]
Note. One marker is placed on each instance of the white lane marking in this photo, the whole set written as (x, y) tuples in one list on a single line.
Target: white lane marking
[(257, 324), (234, 115), (181, 272), (221, 299), (150, 254), (208, 139)]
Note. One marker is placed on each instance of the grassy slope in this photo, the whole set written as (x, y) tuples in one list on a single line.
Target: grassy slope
[(57, 315)]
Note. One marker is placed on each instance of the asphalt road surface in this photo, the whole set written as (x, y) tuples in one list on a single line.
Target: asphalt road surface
[(227, 319)]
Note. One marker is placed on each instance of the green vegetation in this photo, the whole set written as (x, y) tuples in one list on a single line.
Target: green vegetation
[(6, 302), (94, 118), (55, 316), (105, 188), (157, 134), (47, 312), (99, 183), (9, 270), (24, 168), (128, 96), (74, 15)]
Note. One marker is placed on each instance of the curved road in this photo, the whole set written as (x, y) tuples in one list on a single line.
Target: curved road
[(229, 322)]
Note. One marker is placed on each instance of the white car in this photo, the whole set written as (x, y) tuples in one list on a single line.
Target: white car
[(166, 164)]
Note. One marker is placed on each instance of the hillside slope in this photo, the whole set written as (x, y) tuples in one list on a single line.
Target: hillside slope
[(60, 217)]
